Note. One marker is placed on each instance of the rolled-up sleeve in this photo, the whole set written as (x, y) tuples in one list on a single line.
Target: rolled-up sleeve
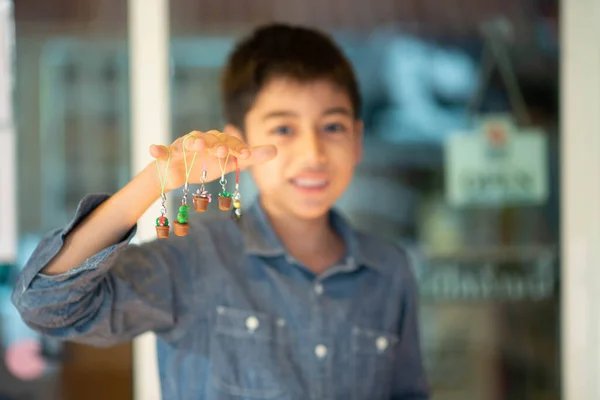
[(118, 293)]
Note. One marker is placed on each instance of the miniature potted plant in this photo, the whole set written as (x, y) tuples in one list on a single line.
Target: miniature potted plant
[(201, 200), (225, 199), (181, 225), (162, 227)]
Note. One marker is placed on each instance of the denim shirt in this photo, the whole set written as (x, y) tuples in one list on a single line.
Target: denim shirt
[(235, 316)]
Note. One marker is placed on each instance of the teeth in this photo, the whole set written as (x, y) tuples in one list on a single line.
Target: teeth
[(310, 183)]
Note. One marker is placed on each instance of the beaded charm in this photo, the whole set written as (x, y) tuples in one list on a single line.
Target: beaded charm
[(237, 203)]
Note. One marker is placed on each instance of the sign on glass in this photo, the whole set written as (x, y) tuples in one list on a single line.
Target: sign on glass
[(497, 164)]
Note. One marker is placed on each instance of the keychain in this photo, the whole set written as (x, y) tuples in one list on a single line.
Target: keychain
[(237, 203), (225, 197), (181, 226), (202, 197), (162, 222)]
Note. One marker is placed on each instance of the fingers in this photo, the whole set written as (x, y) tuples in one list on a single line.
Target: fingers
[(237, 148), (160, 152), (220, 145), (217, 144), (258, 155), (194, 142)]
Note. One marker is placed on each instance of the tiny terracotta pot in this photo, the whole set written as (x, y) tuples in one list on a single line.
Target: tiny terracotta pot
[(162, 232), (180, 229), (200, 203), (224, 203)]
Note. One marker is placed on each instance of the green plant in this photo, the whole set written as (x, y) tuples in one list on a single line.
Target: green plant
[(182, 215), (162, 221)]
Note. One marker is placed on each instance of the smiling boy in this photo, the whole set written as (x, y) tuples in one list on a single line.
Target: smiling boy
[(289, 302)]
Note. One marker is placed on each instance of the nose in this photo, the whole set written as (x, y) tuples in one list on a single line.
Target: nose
[(312, 148)]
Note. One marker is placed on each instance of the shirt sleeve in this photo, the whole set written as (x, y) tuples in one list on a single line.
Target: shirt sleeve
[(410, 382), (115, 295)]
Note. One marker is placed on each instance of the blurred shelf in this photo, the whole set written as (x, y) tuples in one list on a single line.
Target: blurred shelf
[(499, 254)]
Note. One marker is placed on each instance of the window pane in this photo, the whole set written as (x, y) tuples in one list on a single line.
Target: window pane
[(71, 110)]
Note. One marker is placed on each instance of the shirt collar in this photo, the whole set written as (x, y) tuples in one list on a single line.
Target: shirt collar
[(260, 238)]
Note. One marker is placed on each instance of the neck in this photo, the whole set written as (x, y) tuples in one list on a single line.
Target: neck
[(320, 247)]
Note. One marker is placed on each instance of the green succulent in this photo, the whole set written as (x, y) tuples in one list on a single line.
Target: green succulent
[(165, 224), (226, 194), (182, 215)]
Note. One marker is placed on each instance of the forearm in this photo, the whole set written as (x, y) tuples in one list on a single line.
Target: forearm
[(116, 294), (108, 223)]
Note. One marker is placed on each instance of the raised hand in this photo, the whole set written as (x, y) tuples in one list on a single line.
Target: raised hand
[(210, 147)]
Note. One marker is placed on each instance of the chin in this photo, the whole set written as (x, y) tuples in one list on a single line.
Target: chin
[(309, 208), (310, 214)]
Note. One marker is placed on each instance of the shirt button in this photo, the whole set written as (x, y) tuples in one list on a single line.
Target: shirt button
[(321, 351), (252, 323), (381, 343), (319, 289)]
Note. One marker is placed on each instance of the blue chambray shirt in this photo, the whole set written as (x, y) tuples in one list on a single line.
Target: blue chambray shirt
[(235, 316)]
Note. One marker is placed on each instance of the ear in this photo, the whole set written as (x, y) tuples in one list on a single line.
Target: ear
[(358, 140), (232, 130)]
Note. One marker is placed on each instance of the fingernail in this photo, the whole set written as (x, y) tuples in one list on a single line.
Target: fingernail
[(245, 153)]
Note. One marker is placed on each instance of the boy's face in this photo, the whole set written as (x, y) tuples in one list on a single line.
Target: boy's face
[(318, 142)]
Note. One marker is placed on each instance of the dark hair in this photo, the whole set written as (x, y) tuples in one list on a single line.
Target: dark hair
[(280, 50)]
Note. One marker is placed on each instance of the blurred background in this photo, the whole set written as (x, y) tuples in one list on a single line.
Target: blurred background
[(485, 242)]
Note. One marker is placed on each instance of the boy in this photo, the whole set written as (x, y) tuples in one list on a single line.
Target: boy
[(288, 302)]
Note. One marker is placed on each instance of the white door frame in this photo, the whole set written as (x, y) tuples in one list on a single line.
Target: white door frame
[(149, 38), (580, 198)]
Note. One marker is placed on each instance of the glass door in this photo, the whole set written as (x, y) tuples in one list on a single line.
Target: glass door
[(462, 155)]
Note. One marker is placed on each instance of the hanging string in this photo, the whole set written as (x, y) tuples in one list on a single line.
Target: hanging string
[(223, 167), (202, 162), (163, 179), (237, 172), (188, 171)]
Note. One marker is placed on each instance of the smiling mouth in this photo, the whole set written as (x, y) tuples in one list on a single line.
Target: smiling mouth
[(310, 183)]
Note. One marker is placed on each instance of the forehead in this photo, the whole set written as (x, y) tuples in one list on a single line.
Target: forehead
[(307, 98)]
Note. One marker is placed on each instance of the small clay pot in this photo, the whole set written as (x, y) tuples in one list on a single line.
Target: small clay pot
[(224, 203), (200, 203), (162, 232), (180, 229)]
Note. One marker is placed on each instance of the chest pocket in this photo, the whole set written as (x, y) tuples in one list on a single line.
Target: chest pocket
[(246, 355), (373, 355)]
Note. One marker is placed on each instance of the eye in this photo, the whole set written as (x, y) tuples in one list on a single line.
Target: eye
[(282, 130), (334, 128)]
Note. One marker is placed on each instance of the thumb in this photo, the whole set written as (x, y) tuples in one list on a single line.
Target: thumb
[(259, 155)]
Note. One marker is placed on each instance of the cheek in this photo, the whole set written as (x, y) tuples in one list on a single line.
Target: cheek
[(346, 158)]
